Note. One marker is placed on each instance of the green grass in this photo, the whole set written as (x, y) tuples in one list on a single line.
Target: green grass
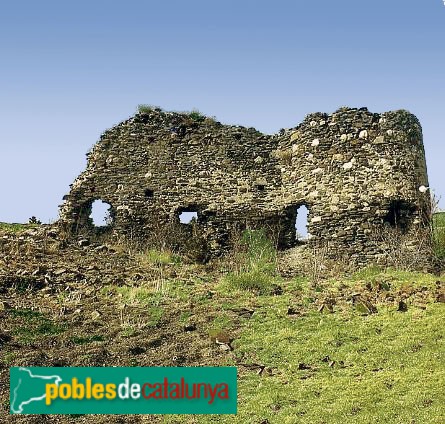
[(390, 278), (32, 325), (9, 358), (340, 367), (256, 265), (132, 295), (255, 281), (439, 219), (144, 301), (195, 115), (220, 324), (27, 314), (160, 257), (439, 234), (154, 315), (380, 373), (315, 366), (16, 228), (260, 252)]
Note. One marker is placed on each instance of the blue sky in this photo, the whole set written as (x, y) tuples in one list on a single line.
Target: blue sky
[(69, 70)]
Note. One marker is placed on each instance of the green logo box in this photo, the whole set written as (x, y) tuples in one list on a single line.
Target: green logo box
[(121, 390)]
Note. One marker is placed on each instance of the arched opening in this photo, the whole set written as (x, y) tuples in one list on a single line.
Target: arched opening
[(101, 214), (400, 215), (301, 221)]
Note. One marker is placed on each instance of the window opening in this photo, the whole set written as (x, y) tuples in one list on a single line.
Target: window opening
[(186, 217), (301, 220), (101, 214)]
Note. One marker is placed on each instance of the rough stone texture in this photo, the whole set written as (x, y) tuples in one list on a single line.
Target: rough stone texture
[(357, 172)]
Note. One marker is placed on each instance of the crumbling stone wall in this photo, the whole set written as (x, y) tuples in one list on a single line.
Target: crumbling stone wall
[(357, 172)]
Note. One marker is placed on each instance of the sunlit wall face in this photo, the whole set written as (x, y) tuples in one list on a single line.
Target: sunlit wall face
[(69, 71)]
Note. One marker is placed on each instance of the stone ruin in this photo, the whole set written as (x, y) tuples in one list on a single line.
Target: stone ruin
[(358, 173)]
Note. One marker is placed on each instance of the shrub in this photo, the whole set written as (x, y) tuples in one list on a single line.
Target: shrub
[(34, 220), (399, 251), (196, 115), (147, 108)]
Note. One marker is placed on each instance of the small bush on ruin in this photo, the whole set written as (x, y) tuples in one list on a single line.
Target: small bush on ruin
[(196, 115), (144, 108), (428, 250), (399, 251)]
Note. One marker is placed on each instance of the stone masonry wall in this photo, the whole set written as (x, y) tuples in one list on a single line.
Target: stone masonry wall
[(357, 172)]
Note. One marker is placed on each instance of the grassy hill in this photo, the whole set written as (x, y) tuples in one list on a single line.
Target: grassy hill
[(360, 348)]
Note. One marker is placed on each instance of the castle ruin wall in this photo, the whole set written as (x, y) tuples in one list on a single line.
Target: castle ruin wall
[(357, 172)]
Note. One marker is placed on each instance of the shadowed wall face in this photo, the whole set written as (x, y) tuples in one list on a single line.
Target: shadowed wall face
[(356, 172)]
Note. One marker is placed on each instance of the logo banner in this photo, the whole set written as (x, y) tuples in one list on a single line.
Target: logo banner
[(120, 390)]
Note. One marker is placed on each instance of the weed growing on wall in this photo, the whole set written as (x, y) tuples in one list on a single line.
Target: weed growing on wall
[(144, 108), (196, 115)]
